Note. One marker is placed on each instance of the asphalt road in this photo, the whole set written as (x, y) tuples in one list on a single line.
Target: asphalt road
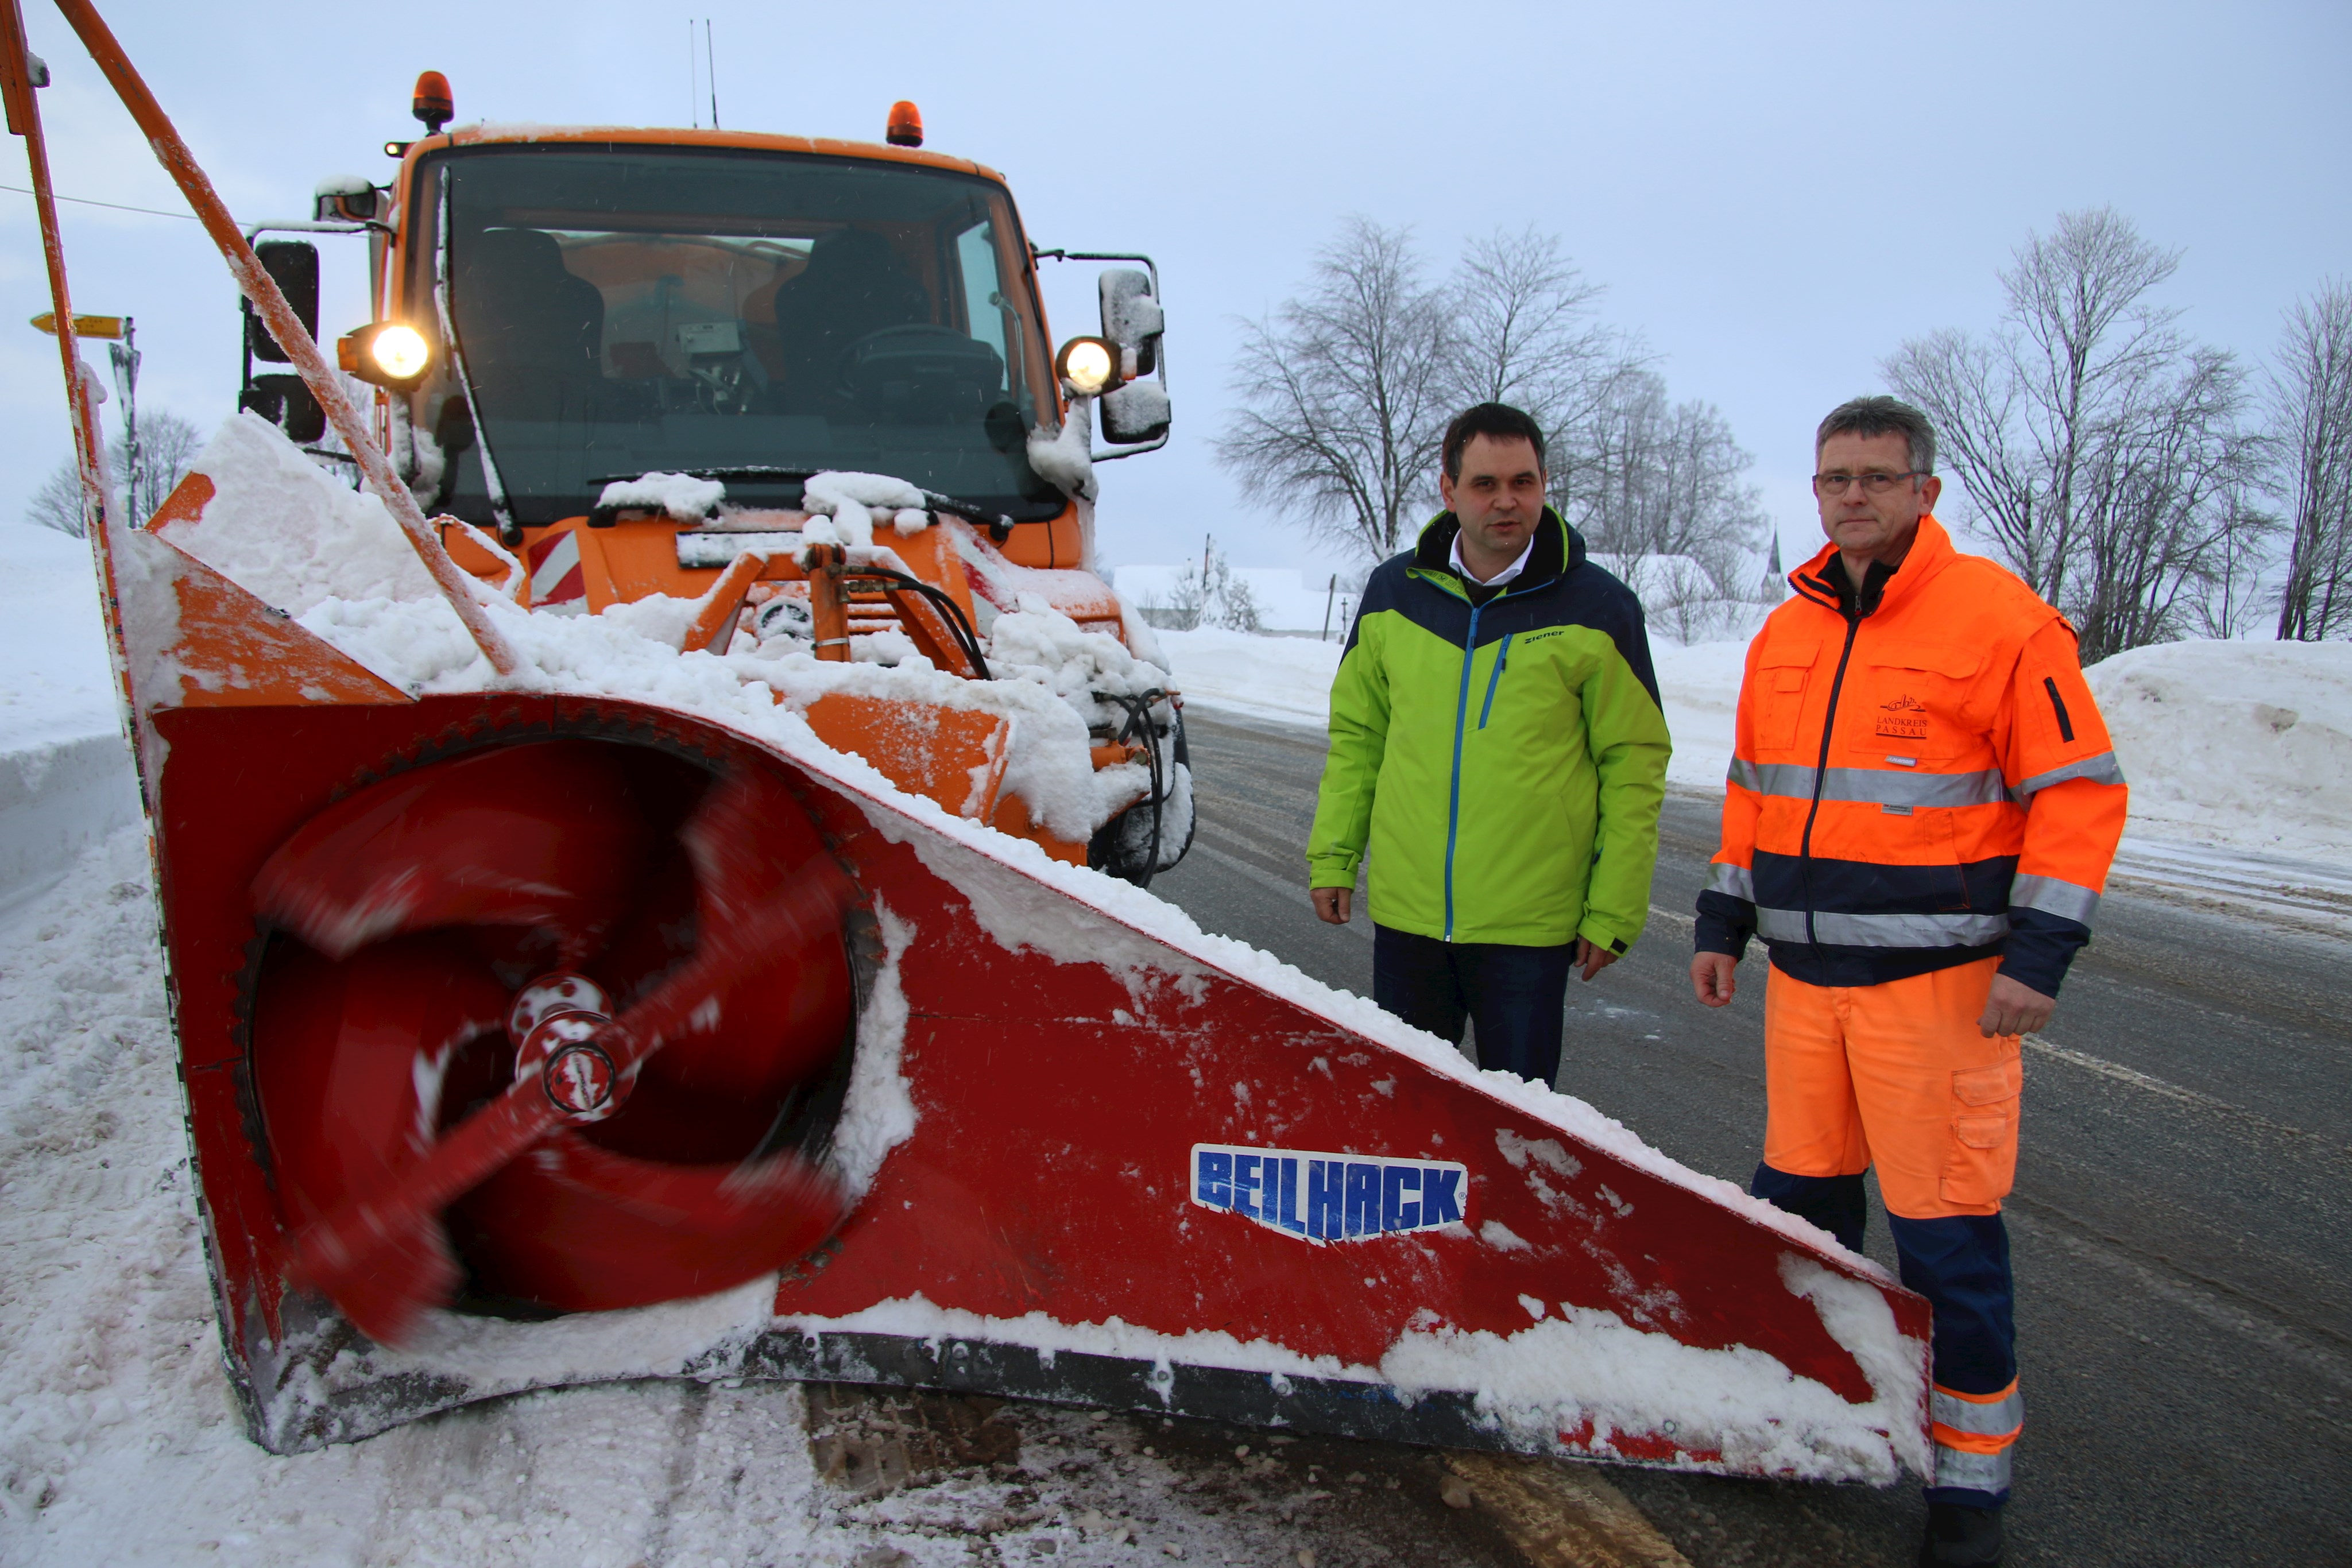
[(2182, 1228)]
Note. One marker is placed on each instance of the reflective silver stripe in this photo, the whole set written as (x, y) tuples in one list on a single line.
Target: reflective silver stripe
[(1735, 880), (1743, 773), (2068, 901), (1883, 930), (1977, 1472), (1875, 786), (2101, 769), (1998, 1419)]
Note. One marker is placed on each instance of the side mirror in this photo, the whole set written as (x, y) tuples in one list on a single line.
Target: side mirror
[(293, 264), (1137, 411), (285, 401), (349, 199)]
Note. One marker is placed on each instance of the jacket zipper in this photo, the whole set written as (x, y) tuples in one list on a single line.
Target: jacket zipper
[(1453, 797), (1821, 772), (1502, 657)]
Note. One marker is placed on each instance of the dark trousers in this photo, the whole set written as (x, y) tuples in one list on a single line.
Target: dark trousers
[(1515, 995), (1960, 1262)]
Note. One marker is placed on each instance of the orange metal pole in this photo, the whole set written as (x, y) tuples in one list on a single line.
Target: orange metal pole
[(322, 379), (25, 120), (90, 451)]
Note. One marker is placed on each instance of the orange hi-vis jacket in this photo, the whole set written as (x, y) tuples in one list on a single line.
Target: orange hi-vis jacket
[(1918, 781)]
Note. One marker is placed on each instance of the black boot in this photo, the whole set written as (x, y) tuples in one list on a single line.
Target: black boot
[(1959, 1536)]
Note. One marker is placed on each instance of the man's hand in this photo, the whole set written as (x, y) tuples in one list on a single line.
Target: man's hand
[(1593, 957), (1331, 904), (2014, 1008), (1713, 978)]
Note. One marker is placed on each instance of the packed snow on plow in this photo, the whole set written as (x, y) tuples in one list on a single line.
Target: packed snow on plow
[(671, 950), (1002, 1122)]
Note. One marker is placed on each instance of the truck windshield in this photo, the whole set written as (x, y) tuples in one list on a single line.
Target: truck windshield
[(625, 309)]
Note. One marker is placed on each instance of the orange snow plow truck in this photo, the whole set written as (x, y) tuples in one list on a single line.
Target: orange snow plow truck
[(633, 868)]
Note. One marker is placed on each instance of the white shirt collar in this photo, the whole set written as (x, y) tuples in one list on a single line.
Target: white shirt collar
[(1501, 577)]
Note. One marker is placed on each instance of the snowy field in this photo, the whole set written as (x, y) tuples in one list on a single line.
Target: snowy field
[(55, 681), (2237, 748)]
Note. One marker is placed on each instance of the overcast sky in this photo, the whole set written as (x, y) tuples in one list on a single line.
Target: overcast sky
[(1774, 195)]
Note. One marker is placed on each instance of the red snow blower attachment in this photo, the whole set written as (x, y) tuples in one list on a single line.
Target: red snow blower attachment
[(564, 994), (513, 994)]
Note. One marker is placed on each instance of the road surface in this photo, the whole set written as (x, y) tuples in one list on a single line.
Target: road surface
[(2181, 1226)]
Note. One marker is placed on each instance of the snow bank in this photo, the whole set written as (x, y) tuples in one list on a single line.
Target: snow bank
[(1290, 678), (57, 680), (2246, 745), (56, 800), (1273, 677), (66, 779), (1699, 686), (282, 530)]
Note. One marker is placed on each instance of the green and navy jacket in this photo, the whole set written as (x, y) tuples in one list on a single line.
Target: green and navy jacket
[(1502, 761)]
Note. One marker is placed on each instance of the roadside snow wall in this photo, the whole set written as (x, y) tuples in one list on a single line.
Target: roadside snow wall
[(2243, 745), (57, 801), (66, 780)]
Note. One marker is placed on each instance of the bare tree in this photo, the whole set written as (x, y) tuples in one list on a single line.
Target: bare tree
[(167, 446), (2232, 592), (1348, 392), (1344, 395), (1665, 483), (2104, 452), (1523, 331), (2311, 412), (58, 502)]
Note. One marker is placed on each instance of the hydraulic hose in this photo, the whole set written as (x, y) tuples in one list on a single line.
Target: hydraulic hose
[(967, 641), (1138, 708)]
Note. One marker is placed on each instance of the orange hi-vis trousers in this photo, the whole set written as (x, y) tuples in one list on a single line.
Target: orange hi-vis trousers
[(1896, 1075)]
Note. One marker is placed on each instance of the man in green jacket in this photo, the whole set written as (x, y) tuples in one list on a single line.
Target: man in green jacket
[(1496, 739)]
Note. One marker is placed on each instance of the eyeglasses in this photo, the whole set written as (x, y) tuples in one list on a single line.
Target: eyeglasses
[(1871, 484)]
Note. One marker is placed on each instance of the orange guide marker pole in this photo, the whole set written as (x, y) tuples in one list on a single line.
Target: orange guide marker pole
[(25, 120), (89, 453), (284, 325)]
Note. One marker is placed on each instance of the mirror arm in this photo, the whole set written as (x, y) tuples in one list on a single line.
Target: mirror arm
[(1149, 266), (318, 226)]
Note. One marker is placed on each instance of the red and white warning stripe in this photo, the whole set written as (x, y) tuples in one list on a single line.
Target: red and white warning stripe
[(556, 578)]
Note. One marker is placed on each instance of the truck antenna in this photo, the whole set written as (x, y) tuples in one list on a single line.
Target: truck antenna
[(693, 72), (711, 72)]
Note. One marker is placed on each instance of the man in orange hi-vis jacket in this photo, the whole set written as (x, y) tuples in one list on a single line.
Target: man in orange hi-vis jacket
[(1920, 815)]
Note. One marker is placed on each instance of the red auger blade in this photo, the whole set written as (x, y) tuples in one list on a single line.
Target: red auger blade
[(662, 1199), (545, 835)]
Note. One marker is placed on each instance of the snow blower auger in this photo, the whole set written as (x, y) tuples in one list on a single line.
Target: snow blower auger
[(577, 980)]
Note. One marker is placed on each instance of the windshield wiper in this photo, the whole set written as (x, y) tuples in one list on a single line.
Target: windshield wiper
[(493, 483), (999, 526)]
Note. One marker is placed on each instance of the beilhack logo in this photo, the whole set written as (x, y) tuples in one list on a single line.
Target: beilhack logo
[(1330, 1197)]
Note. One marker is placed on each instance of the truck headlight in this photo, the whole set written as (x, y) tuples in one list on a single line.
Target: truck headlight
[(388, 353), (1087, 365), (400, 353)]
